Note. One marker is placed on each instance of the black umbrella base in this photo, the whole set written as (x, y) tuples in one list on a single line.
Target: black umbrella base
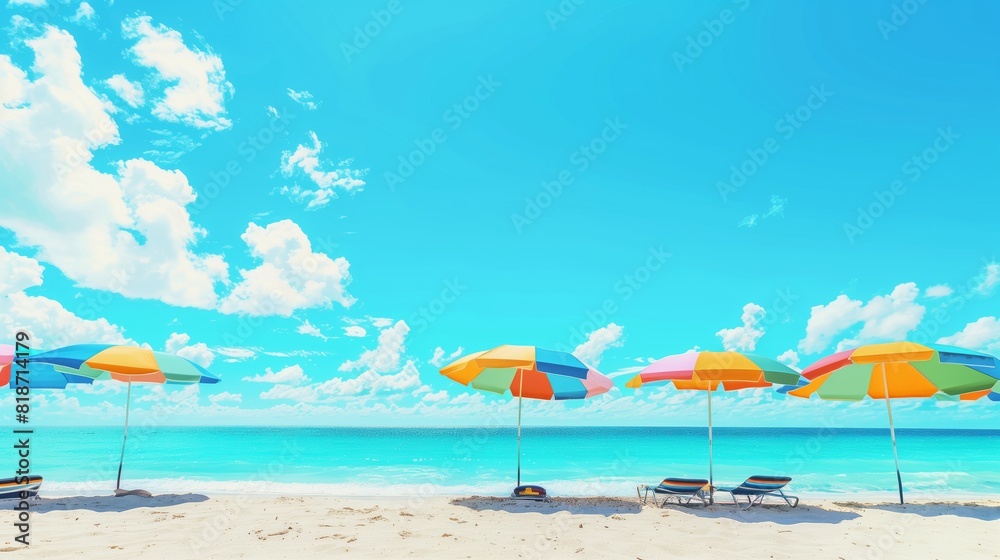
[(530, 492)]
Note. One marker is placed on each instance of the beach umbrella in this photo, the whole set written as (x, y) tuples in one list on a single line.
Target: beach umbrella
[(528, 372), (897, 370), (86, 363), (711, 371)]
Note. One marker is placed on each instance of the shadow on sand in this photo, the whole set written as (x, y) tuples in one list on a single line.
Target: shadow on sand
[(936, 509), (592, 506), (111, 503)]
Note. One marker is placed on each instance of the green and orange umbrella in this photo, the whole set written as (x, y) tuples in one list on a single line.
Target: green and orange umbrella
[(710, 371), (527, 372), (86, 363), (897, 370)]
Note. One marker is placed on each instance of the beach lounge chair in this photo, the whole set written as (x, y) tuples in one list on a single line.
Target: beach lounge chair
[(756, 488), (682, 489), (530, 492), (11, 488)]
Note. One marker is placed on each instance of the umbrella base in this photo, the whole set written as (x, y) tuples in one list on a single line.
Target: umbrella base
[(530, 492), (120, 492)]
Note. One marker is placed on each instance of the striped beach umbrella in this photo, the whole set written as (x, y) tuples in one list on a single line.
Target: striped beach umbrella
[(711, 371), (86, 363), (527, 372), (899, 370)]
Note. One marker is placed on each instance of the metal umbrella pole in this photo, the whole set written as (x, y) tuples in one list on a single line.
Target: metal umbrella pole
[(121, 461), (892, 433), (711, 479), (520, 400)]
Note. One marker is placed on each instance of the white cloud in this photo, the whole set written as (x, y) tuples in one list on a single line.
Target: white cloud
[(380, 322), (940, 290), (199, 91), (84, 13), (34, 3), (790, 358), (303, 98), (355, 331), (744, 338), (198, 353), (18, 272), (441, 357), (225, 397), (306, 160), (884, 317), (110, 231), (989, 278), (369, 381), (130, 92), (385, 357), (592, 350), (982, 334), (292, 375), (438, 397), (236, 353), (291, 275), (310, 329), (49, 323)]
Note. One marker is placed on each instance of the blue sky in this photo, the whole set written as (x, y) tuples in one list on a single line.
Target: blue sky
[(325, 202)]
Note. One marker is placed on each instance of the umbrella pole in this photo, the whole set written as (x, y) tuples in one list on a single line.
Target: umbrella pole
[(121, 461), (892, 433), (519, 400), (711, 479)]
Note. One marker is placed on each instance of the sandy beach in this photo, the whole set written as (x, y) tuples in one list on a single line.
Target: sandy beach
[(198, 526)]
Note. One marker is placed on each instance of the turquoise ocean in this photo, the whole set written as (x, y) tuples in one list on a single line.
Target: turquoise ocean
[(852, 463)]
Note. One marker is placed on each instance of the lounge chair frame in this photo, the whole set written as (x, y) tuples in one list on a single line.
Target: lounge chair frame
[(756, 496), (683, 498)]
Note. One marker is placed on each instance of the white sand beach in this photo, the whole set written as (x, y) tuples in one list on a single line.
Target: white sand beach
[(197, 526)]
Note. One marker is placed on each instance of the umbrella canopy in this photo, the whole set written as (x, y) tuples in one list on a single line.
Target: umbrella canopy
[(86, 363), (710, 371), (528, 372), (899, 370)]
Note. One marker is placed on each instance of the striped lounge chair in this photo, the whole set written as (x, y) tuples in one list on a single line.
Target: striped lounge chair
[(11, 488), (756, 488), (682, 489)]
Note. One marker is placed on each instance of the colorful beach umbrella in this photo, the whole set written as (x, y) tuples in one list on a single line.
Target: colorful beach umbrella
[(86, 363), (897, 370), (710, 371), (528, 372)]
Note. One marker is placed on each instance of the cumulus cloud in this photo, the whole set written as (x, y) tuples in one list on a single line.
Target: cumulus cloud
[(292, 375), (325, 177), (384, 357), (982, 334), (310, 329), (130, 92), (114, 230), (199, 88), (988, 278), (938, 291), (884, 317), (790, 358), (598, 342), (198, 353), (225, 397), (745, 337), (441, 357), (290, 277)]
